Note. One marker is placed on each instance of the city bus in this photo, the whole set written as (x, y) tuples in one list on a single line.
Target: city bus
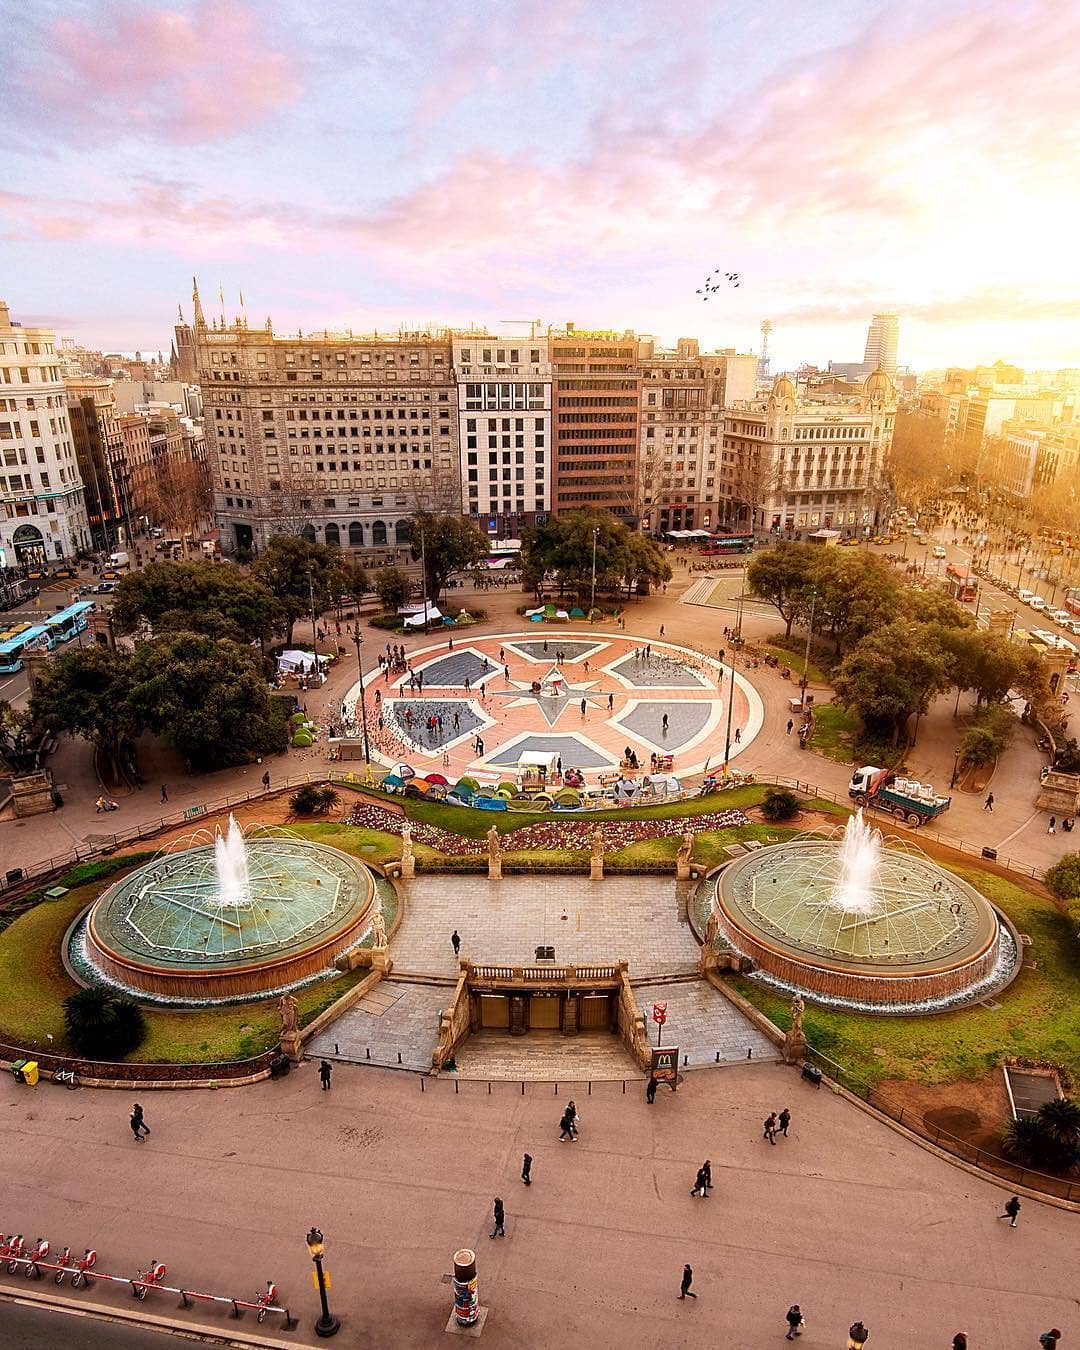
[(502, 554), (11, 651), (68, 622), (728, 543)]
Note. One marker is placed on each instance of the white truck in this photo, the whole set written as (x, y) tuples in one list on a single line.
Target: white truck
[(905, 798)]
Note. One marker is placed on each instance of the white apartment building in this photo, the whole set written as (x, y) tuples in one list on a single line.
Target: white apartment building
[(805, 464), (882, 341), (42, 512), (504, 429)]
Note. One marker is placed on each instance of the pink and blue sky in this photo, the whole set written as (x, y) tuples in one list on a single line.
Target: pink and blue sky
[(361, 165)]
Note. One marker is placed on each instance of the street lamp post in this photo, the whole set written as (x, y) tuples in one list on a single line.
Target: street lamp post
[(806, 658), (955, 767), (730, 709), (359, 641), (592, 593), (327, 1325)]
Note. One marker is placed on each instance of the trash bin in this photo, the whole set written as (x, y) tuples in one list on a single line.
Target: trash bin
[(17, 1066), (990, 853), (812, 1074), (30, 1072)]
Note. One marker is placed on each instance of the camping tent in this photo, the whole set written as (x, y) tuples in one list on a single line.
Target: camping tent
[(418, 620)]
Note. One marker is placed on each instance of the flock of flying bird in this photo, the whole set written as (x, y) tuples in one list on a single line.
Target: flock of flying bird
[(711, 286)]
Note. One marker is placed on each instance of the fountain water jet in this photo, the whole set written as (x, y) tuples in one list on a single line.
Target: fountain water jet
[(859, 857), (231, 867)]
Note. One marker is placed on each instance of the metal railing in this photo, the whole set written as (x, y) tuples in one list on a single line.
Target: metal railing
[(1063, 1188)]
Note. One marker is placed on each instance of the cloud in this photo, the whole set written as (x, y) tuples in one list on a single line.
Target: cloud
[(202, 75)]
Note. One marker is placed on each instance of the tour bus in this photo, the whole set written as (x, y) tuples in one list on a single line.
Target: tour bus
[(728, 543), (16, 628), (11, 651), (68, 622), (502, 554)]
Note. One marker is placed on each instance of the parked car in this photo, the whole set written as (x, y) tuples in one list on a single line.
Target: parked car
[(1037, 602), (105, 587)]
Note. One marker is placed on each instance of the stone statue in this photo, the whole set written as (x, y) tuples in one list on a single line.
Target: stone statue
[(289, 1009), (494, 851), (798, 1007), (598, 847), (686, 847), (378, 928), (406, 841)]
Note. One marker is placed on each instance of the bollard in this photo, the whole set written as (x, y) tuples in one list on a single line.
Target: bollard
[(685, 1060), (718, 1056), (369, 1052), (749, 1052), (466, 1294), (337, 1048), (399, 1056)]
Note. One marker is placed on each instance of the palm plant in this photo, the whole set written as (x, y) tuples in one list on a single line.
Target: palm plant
[(103, 1025)]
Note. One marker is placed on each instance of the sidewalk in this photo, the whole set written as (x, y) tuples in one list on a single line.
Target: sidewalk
[(845, 1216)]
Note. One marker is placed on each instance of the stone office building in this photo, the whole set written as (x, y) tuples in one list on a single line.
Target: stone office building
[(335, 437)]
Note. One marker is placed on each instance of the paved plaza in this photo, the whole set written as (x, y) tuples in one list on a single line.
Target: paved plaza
[(845, 1216), (641, 920), (486, 700), (703, 1024)]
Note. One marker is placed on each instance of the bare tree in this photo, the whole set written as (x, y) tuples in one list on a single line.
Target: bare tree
[(292, 504), (178, 496)]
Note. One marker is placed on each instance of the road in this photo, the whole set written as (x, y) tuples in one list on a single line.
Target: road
[(25, 1328)]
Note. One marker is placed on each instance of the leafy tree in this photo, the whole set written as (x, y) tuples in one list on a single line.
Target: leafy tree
[(856, 595), (208, 697), (393, 588), (892, 674), (88, 692), (936, 607), (784, 576), (17, 740), (348, 578), (565, 547), (1063, 879), (102, 1024), (196, 597), (297, 573), (450, 544), (978, 746)]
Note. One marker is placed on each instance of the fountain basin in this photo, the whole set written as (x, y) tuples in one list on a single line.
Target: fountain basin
[(167, 929), (925, 938)]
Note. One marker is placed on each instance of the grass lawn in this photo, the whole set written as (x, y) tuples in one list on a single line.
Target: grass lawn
[(834, 732), (814, 674), (1037, 1018)]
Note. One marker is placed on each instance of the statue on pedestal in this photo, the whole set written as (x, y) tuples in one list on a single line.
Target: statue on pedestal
[(596, 858), (408, 862), (378, 929), (289, 1010), (682, 856), (494, 853), (795, 1040)]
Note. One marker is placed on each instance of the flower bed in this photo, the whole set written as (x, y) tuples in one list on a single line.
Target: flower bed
[(548, 834)]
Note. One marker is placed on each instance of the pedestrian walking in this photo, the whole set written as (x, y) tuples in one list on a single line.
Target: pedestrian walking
[(1049, 1339), (526, 1169), (857, 1336), (738, 735), (1052, 827), (664, 724), (650, 1090), (706, 1167), (139, 1127), (959, 1341), (770, 1128), (700, 1187), (455, 941), (661, 630), (790, 724), (325, 1070), (610, 702), (796, 1322), (566, 1127), (500, 1220), (583, 707), (266, 780), (164, 793), (988, 805), (687, 1280), (1012, 1209), (784, 1120)]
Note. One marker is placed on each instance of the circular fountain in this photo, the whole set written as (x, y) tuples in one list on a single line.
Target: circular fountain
[(230, 919), (864, 925)]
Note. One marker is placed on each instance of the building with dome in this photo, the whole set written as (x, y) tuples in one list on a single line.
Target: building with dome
[(799, 463)]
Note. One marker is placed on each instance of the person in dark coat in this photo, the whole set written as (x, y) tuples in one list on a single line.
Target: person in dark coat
[(526, 1169), (687, 1280), (858, 1335), (1012, 1209), (500, 1220), (784, 1120), (795, 1322), (650, 1090), (325, 1070), (700, 1186), (770, 1128), (566, 1126), (455, 941), (139, 1127), (706, 1168)]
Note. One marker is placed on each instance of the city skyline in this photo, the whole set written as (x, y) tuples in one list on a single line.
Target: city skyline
[(889, 160)]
